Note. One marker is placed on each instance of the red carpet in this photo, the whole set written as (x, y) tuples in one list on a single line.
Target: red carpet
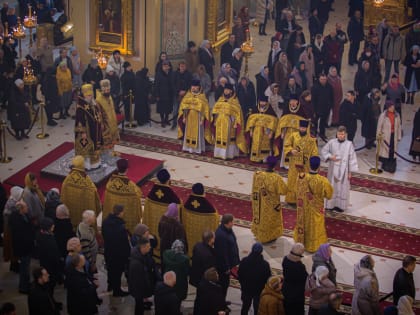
[(139, 170), (360, 182), (345, 232)]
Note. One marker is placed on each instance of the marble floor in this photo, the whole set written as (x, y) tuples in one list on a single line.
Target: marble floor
[(383, 209)]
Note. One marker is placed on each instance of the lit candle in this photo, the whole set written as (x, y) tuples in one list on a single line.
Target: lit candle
[(30, 10)]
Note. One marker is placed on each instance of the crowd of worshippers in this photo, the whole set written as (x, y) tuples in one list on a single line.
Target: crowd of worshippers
[(163, 248)]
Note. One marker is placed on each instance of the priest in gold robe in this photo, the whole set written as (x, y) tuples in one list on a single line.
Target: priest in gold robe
[(157, 202), (261, 127), (267, 218), (194, 120), (78, 192), (228, 125), (198, 216), (88, 128), (312, 190), (298, 148), (122, 191), (110, 132)]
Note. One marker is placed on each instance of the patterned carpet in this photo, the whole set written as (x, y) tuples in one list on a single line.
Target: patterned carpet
[(360, 182)]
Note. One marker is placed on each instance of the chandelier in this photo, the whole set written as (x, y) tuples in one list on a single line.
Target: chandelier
[(378, 2)]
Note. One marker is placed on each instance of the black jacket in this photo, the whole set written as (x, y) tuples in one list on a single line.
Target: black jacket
[(49, 255), (23, 235), (355, 30), (182, 81), (210, 299), (203, 258), (226, 53), (142, 274), (50, 90), (253, 274), (141, 99), (246, 97), (207, 60), (226, 249), (403, 284), (363, 83), (63, 231), (40, 301), (315, 26), (94, 75), (262, 84), (128, 82), (348, 116), (81, 294), (294, 280), (166, 300), (322, 98), (18, 112), (116, 244)]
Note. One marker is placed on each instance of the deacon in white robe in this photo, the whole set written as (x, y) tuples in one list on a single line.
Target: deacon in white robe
[(340, 155)]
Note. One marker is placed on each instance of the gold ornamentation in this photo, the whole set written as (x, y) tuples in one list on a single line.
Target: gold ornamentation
[(218, 33)]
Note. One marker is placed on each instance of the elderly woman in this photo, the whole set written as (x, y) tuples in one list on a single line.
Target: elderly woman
[(320, 287), (301, 75), (263, 80), (323, 257), (206, 57), (51, 202), (275, 99), (395, 91), (205, 80), (77, 67), (229, 73), (87, 235), (236, 63), (405, 305), (273, 57), (366, 288), (282, 70), (412, 74), (271, 300), (295, 275), (307, 57), (65, 85)]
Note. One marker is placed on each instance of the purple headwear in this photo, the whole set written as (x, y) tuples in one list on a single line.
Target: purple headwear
[(172, 211), (323, 250)]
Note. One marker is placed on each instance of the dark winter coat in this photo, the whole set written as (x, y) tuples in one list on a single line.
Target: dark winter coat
[(246, 96), (166, 300), (115, 82), (93, 75), (180, 264), (262, 85), (315, 26), (226, 53), (348, 116), (370, 112), (226, 249), (415, 133), (355, 30), (363, 83), (142, 274), (170, 230), (49, 255), (294, 286), (40, 301), (203, 258), (403, 284), (182, 81), (271, 64), (333, 49), (253, 274), (23, 235), (18, 109), (164, 91), (408, 62), (210, 298), (322, 98), (128, 82), (141, 98), (206, 60), (116, 243), (81, 294), (63, 231), (50, 90)]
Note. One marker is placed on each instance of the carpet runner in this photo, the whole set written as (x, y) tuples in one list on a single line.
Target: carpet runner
[(360, 182), (360, 235)]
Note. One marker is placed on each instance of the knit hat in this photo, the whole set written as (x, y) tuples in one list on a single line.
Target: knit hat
[(296, 253), (87, 89), (163, 175), (198, 189), (324, 252), (271, 161), (229, 86), (122, 165), (263, 98), (109, 69), (314, 162), (178, 247), (257, 248), (46, 224), (140, 229), (195, 82), (172, 211)]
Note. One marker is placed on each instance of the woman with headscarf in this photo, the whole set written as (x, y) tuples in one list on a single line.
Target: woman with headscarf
[(301, 75), (282, 70), (170, 229), (141, 97), (142, 231), (307, 57), (335, 81), (395, 92), (236, 62), (271, 300), (363, 81), (295, 275), (275, 99), (206, 57), (320, 287), (371, 109), (366, 288), (246, 96), (273, 57), (229, 73), (18, 109), (412, 74), (16, 194), (263, 80), (405, 305), (205, 80), (64, 84), (323, 257), (175, 259), (51, 202), (34, 198), (63, 230)]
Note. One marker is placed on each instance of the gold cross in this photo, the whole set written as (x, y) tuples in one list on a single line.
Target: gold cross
[(159, 194), (195, 204)]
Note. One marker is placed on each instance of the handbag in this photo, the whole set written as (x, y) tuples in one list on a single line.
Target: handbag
[(415, 146)]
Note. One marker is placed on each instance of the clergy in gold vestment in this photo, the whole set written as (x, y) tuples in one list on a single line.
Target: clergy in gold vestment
[(298, 148), (110, 133), (198, 216), (228, 125), (261, 127), (194, 120), (312, 190), (78, 192), (267, 218), (122, 191), (157, 202)]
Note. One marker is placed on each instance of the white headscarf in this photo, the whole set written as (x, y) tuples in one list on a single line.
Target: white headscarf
[(320, 273)]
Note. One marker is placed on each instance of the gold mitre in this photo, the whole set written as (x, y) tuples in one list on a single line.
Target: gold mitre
[(105, 84), (87, 89), (78, 162)]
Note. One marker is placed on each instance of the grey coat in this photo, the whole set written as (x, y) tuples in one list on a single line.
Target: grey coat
[(384, 128), (393, 47), (366, 292), (260, 14)]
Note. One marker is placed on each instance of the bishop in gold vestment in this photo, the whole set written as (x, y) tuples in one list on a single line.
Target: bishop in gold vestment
[(110, 133), (261, 127), (267, 218), (121, 190), (312, 190), (298, 148), (78, 192), (194, 120), (229, 126)]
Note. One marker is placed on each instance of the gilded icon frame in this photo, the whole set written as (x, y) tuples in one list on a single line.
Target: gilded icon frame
[(218, 27)]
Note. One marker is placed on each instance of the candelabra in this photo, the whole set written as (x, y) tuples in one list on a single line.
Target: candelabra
[(30, 22), (19, 34), (102, 60), (30, 79), (247, 48)]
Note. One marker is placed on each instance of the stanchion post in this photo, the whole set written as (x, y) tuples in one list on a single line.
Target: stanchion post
[(131, 124), (42, 135), (4, 157), (376, 169)]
